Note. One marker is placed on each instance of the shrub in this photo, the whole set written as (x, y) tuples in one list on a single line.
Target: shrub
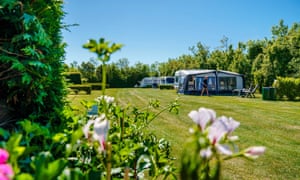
[(78, 87), (73, 77), (288, 87), (166, 86), (31, 54)]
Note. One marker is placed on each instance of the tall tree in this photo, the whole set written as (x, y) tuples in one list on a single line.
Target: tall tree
[(201, 52), (88, 71)]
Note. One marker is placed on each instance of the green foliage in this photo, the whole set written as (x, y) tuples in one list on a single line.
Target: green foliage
[(132, 147), (278, 117), (103, 49), (76, 88), (165, 86), (288, 87), (73, 77), (31, 55), (88, 71)]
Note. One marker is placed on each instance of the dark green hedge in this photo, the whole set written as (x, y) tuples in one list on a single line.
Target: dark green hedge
[(73, 77), (31, 55), (77, 88), (287, 87), (97, 86), (166, 87)]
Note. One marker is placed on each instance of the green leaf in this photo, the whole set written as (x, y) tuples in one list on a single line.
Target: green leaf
[(143, 162), (45, 168), (3, 133), (56, 167), (28, 19), (26, 78), (24, 176), (18, 66), (59, 137)]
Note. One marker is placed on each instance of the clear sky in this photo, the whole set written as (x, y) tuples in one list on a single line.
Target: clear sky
[(157, 30)]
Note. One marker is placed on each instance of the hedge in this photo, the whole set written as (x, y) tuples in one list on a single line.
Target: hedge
[(287, 87), (73, 77), (77, 88), (165, 86)]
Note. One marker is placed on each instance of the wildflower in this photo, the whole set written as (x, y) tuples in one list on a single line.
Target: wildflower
[(202, 117), (107, 99), (216, 131), (206, 153), (230, 123), (101, 127), (86, 128), (3, 156), (215, 140), (100, 130), (254, 151), (224, 149), (6, 171)]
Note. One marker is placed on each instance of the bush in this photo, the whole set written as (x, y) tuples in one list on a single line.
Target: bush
[(73, 77), (76, 88), (97, 86), (31, 59), (166, 87), (288, 87)]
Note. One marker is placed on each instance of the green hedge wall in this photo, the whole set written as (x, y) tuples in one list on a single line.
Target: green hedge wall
[(166, 86), (73, 77), (287, 87)]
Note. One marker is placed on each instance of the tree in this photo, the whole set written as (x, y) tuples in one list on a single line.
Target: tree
[(88, 71), (201, 52), (293, 40), (280, 30)]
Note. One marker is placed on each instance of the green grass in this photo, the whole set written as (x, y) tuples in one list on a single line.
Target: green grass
[(274, 124)]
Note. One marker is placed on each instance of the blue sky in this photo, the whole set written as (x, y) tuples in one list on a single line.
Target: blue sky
[(157, 30)]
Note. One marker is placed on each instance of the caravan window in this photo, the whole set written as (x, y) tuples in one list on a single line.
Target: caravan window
[(170, 80), (227, 83)]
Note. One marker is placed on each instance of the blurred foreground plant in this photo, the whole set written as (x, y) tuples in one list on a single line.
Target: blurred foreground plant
[(212, 142)]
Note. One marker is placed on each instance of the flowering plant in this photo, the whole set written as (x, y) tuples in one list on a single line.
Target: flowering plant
[(212, 141), (6, 171)]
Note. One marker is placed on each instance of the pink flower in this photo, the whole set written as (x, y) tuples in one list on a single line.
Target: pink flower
[(230, 123), (202, 117), (6, 172), (100, 130), (101, 127), (206, 153), (3, 156), (255, 151), (216, 132), (86, 128), (224, 149)]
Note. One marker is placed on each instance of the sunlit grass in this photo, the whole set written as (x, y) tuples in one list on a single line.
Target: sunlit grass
[(274, 124)]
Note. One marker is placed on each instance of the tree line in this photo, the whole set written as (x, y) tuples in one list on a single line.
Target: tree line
[(260, 61)]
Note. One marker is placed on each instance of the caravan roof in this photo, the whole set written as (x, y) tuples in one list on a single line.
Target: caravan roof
[(186, 72)]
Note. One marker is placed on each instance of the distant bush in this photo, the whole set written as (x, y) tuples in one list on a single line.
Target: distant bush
[(97, 86), (165, 86), (287, 86), (73, 77), (76, 88)]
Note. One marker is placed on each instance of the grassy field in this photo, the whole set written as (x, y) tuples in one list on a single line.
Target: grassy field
[(274, 124)]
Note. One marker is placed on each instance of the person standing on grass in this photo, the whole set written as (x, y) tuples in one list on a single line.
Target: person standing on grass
[(205, 86)]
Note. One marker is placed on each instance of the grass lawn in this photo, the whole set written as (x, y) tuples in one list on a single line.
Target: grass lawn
[(273, 124)]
